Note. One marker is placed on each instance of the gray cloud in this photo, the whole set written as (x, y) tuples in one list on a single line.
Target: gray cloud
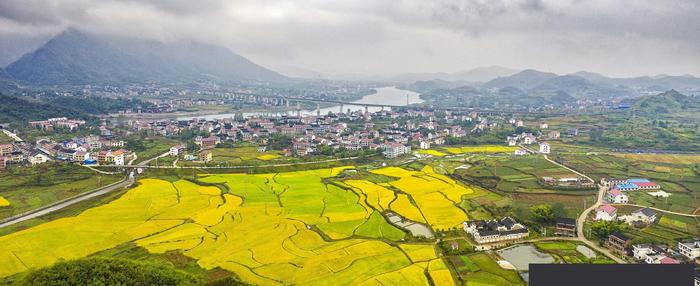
[(623, 38)]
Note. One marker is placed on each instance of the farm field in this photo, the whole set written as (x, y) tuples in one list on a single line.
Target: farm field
[(315, 233), (435, 195), (565, 252), (675, 177), (479, 149), (479, 269), (515, 174), (28, 188)]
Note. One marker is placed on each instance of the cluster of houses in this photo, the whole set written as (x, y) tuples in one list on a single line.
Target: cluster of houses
[(58, 122), (90, 149), (309, 133), (685, 251), (634, 184)]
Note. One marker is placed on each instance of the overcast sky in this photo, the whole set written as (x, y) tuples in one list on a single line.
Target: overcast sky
[(616, 38)]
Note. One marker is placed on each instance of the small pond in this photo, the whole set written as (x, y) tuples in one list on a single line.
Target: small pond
[(587, 252), (522, 255)]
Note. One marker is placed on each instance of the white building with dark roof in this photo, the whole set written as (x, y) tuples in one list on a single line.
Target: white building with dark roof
[(496, 230)]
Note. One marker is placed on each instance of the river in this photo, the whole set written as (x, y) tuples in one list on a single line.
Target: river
[(384, 95)]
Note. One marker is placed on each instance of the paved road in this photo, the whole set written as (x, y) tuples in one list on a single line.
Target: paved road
[(70, 201), (141, 165), (582, 219)]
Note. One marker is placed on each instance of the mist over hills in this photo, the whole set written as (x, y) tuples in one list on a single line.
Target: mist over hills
[(76, 58)]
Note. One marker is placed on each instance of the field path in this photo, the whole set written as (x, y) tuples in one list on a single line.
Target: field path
[(582, 218)]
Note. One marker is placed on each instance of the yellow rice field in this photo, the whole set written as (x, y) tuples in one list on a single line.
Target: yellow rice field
[(683, 159), (435, 195), (4, 202), (268, 157), (271, 229), (432, 152), (481, 149)]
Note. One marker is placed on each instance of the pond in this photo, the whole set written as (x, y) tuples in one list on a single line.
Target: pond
[(416, 229), (587, 252), (521, 256)]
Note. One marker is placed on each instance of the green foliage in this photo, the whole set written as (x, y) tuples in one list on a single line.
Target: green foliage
[(104, 271), (602, 229), (279, 142), (14, 109), (98, 105), (543, 213)]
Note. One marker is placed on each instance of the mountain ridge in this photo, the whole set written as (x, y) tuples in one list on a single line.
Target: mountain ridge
[(76, 58)]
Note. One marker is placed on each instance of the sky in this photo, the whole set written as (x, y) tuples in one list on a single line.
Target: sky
[(612, 37)]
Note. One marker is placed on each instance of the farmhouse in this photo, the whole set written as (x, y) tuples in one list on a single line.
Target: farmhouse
[(641, 251), (616, 196), (544, 148), (606, 212), (394, 150), (205, 156), (565, 227), (610, 182), (520, 152), (618, 242), (690, 248), (495, 230)]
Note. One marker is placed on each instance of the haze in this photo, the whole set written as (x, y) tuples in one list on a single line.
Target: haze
[(615, 38)]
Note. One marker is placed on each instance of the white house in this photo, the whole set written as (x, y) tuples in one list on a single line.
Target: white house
[(616, 196), (394, 150), (511, 142), (690, 249), (38, 158), (529, 139), (544, 125), (496, 230), (644, 215), (520, 152), (606, 212), (641, 251), (425, 144), (544, 148)]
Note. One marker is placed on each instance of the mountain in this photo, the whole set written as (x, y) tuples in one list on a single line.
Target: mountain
[(578, 87), (524, 80), (7, 82), (298, 72), (476, 75), (76, 58), (483, 74), (668, 102)]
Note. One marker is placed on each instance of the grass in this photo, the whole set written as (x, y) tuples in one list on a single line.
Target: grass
[(565, 252), (153, 147), (480, 269), (28, 188)]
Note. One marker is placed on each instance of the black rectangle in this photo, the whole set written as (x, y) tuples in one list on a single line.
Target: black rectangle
[(611, 274)]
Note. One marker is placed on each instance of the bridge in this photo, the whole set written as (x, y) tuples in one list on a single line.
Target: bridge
[(287, 101)]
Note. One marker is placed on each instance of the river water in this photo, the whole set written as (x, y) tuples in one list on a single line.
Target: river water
[(384, 95)]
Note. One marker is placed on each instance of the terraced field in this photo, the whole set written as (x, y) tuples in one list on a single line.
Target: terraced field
[(300, 228)]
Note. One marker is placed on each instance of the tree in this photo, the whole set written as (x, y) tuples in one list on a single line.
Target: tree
[(542, 213), (602, 229), (105, 271)]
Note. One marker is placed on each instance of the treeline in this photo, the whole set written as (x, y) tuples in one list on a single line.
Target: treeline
[(14, 109), (99, 105), (109, 271)]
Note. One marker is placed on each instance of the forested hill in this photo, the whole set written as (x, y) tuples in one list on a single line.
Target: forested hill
[(77, 58), (14, 109), (664, 103)]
